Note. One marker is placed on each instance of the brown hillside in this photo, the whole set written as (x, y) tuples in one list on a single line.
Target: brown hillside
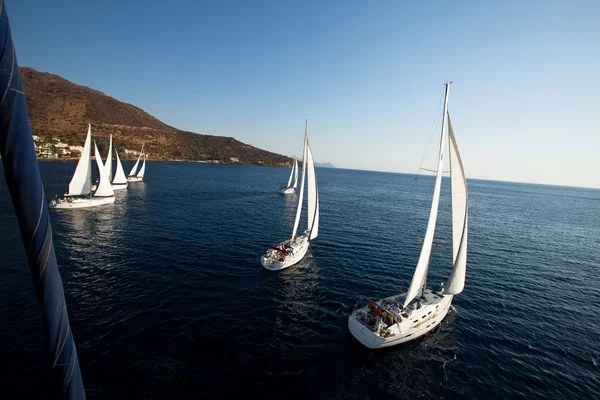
[(59, 108)]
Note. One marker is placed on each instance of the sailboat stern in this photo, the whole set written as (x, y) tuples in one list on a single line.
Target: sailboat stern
[(362, 333), (284, 255), (287, 190)]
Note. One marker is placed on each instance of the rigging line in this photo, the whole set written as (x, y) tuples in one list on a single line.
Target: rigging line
[(431, 131)]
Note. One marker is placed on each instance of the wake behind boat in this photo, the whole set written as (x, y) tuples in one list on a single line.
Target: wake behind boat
[(290, 189), (80, 188), (291, 251), (402, 318)]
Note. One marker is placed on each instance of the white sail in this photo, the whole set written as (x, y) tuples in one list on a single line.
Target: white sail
[(291, 175), (109, 160), (301, 196), (81, 183), (419, 279), (142, 170), (295, 174), (460, 218), (120, 177), (313, 194), (104, 186), (135, 166)]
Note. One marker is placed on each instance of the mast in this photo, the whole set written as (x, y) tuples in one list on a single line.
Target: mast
[(419, 281), (24, 183), (301, 196)]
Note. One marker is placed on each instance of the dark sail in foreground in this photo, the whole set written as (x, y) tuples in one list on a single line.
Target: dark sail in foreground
[(25, 186)]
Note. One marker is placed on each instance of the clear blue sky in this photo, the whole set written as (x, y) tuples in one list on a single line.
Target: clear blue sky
[(369, 75)]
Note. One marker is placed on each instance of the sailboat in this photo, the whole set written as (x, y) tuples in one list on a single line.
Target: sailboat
[(134, 174), (405, 317), (80, 188), (289, 188), (291, 251), (119, 182)]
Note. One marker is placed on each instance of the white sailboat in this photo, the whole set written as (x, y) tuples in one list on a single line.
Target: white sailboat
[(289, 188), (120, 180), (80, 188), (401, 318), (291, 251), (134, 174)]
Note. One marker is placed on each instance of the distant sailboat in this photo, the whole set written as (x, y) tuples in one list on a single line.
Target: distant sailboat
[(139, 175), (289, 188), (80, 189), (401, 318), (291, 251), (120, 180)]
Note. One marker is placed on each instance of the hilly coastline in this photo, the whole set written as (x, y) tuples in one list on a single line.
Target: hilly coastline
[(61, 109)]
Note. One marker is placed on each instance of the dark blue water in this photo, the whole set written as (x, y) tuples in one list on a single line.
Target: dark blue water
[(167, 297)]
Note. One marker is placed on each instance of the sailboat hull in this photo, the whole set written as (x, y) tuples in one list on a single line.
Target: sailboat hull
[(275, 260), (81, 202), (287, 190), (119, 186), (402, 326), (134, 179)]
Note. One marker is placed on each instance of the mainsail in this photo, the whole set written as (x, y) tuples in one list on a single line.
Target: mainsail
[(120, 177), (109, 160), (142, 170), (301, 196), (295, 174), (104, 187), (135, 166), (81, 183), (291, 175), (460, 218), (419, 279), (313, 195)]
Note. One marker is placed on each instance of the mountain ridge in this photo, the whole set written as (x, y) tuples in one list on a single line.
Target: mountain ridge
[(62, 109)]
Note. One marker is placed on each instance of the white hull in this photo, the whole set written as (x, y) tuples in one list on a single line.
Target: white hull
[(408, 324), (275, 260), (81, 202), (119, 186), (134, 179), (287, 190)]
